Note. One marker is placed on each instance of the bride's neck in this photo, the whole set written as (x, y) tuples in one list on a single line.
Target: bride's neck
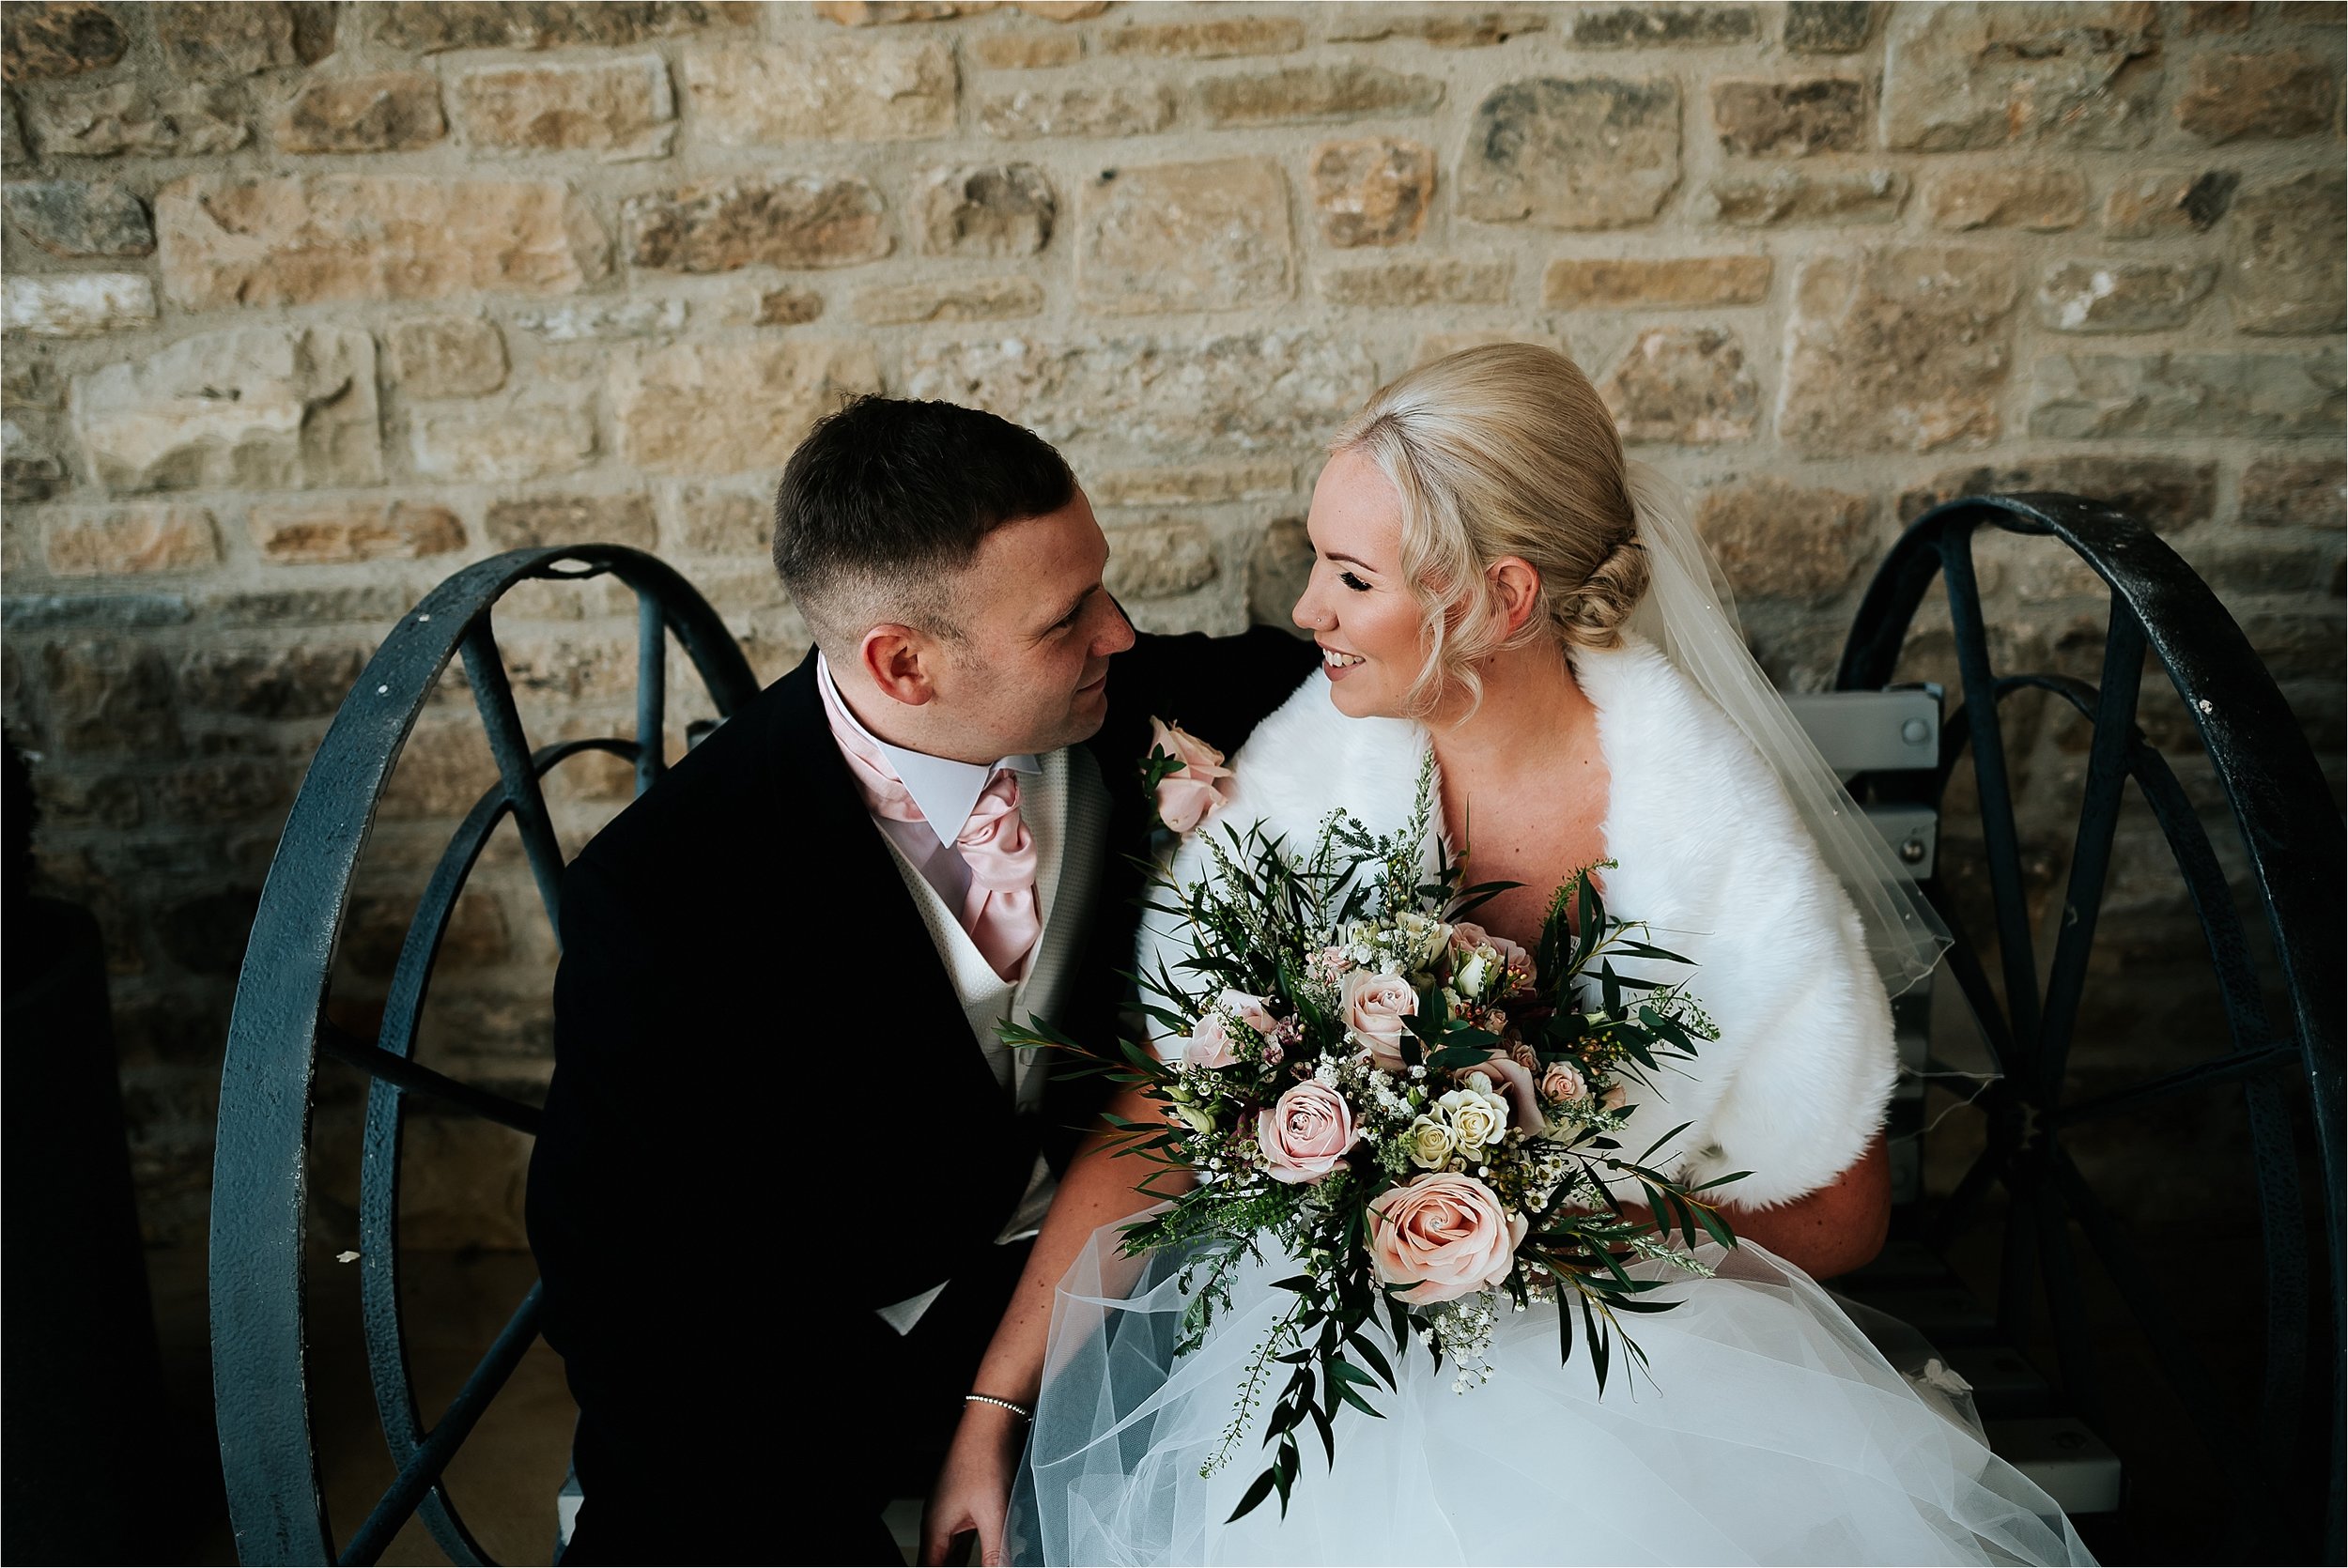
[(1533, 711)]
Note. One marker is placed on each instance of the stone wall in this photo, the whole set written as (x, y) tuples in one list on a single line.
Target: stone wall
[(308, 304)]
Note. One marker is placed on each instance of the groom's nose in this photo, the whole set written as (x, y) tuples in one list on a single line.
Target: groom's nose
[(1117, 631)]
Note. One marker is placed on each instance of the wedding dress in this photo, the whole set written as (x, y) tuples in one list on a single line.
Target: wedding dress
[(1764, 1427)]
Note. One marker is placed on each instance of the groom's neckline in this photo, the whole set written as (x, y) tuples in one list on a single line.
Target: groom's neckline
[(945, 788)]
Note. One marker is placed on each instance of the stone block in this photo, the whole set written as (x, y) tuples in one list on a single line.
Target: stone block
[(131, 541), (1775, 539), (785, 221), (2197, 17), (621, 109), (77, 304), (2295, 492), (531, 521), (254, 407), (786, 307), (2288, 237), (1668, 281), (1168, 486), (429, 26), (834, 89), (63, 801), (39, 41), (2077, 396), (1110, 109), (1786, 197), (731, 408), (1245, 391), (2169, 205), (304, 681), (109, 696), (1829, 26), (985, 210), (30, 469), (1573, 153), (2042, 200), (1647, 26), (69, 217), (526, 435), (707, 522), (1897, 349), (584, 323), (445, 356), (52, 612), (1445, 26), (214, 40), (1450, 281), (342, 531), (1761, 118), (1685, 386), (2122, 296), (1304, 94), (1373, 191), (1278, 569), (26, 382), (377, 928), (1958, 77), (2235, 97), (2258, 566), (968, 300), (1027, 50), (393, 111), (1185, 237), (1207, 38), (889, 13), (131, 117), (306, 239), (1159, 560), (2167, 493)]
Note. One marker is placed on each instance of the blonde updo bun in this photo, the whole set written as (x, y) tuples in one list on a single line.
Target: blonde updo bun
[(1496, 451)]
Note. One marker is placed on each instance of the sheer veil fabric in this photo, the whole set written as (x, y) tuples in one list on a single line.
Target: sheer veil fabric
[(1769, 1429)]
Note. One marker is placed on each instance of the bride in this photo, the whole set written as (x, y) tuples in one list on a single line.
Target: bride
[(1494, 583)]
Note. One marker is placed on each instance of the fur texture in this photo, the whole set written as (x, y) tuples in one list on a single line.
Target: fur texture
[(1711, 856)]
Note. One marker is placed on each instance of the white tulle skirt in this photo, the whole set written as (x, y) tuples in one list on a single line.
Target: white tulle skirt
[(1768, 1430)]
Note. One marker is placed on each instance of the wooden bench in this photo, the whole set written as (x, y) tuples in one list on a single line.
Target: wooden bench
[(2282, 1065)]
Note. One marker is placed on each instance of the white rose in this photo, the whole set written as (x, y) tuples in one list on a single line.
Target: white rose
[(1477, 1114), (1469, 979), (1429, 1143)]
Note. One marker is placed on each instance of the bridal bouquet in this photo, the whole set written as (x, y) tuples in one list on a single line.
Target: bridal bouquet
[(1419, 1111)]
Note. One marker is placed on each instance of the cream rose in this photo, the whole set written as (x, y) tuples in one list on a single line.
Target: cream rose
[(1477, 1114), (1374, 1007), (1429, 1143), (1446, 1236), (1306, 1133), (1195, 792), (1210, 1043)]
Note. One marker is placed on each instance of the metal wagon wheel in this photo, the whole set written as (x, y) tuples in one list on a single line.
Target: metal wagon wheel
[(279, 1028), (2294, 840)]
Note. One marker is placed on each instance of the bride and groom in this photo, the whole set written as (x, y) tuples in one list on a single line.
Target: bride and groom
[(811, 1234)]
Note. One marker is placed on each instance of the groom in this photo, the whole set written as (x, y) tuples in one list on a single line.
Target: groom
[(786, 1173)]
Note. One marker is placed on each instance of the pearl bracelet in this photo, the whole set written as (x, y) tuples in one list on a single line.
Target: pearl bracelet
[(1020, 1410)]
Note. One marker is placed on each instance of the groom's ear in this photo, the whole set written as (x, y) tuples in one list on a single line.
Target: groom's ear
[(897, 659)]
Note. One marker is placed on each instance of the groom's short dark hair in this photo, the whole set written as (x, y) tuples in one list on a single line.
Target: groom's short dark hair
[(886, 498)]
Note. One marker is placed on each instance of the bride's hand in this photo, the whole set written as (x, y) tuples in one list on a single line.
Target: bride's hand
[(973, 1490)]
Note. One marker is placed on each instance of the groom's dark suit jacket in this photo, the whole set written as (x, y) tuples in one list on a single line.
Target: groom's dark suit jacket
[(769, 1116)]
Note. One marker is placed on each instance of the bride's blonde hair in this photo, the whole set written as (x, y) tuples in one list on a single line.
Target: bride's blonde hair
[(1505, 450)]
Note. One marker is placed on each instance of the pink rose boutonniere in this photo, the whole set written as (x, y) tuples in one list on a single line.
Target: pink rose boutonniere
[(1187, 776)]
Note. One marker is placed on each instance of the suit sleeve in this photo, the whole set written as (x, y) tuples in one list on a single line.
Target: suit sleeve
[(651, 1210)]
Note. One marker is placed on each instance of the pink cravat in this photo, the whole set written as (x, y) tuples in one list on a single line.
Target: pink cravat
[(999, 912)]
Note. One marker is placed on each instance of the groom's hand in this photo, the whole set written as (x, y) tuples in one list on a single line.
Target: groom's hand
[(973, 1491)]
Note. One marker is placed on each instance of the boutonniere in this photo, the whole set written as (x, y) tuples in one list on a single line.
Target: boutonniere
[(1185, 778)]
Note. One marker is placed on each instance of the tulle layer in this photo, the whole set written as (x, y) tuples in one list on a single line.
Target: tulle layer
[(1770, 1430)]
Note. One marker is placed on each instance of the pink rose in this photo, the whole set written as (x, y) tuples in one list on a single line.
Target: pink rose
[(1254, 1011), (1374, 1007), (1561, 1083), (1306, 1133), (1210, 1043), (1615, 1097), (1513, 1082), (1194, 792), (1446, 1236)]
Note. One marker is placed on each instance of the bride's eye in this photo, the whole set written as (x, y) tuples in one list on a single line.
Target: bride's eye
[(1356, 584)]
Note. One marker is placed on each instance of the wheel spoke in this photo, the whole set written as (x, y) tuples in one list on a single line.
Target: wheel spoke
[(485, 668), (2107, 766), (1967, 1197), (2193, 1079), (2017, 1274), (652, 689), (417, 1078), (2075, 1350)]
